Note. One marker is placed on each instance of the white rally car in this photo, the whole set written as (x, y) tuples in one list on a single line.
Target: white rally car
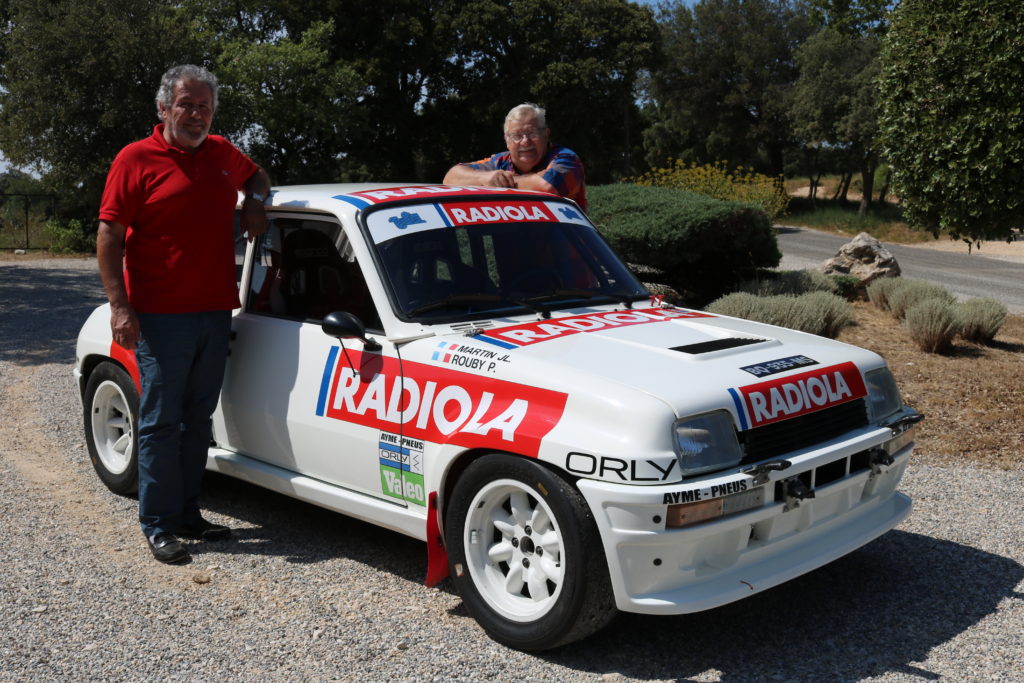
[(477, 369)]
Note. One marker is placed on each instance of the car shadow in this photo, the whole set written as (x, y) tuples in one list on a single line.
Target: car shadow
[(42, 310), (877, 610), (303, 533)]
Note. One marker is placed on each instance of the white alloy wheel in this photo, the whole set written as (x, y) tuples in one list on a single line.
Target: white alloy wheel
[(112, 427), (525, 554), (111, 405), (514, 550)]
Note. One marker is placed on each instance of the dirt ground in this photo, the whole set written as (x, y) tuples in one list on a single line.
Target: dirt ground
[(973, 398)]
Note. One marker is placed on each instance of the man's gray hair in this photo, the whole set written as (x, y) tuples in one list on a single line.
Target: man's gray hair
[(527, 109), (176, 74)]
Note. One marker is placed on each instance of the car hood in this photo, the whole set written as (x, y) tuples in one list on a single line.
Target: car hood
[(690, 360)]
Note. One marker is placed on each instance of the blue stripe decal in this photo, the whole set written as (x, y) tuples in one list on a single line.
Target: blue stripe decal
[(354, 201), (444, 216), (490, 340), (739, 409), (392, 463), (325, 382), (391, 448)]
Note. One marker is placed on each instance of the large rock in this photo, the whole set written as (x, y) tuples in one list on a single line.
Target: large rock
[(865, 258)]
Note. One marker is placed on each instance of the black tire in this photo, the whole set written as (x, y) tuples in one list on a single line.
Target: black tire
[(111, 410), (551, 547)]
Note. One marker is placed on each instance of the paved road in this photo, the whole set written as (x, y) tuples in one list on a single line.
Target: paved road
[(966, 275)]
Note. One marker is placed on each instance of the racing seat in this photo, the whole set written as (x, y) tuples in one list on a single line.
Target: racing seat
[(316, 279), (430, 269)]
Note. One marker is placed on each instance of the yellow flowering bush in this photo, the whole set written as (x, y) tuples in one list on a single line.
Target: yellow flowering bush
[(716, 180)]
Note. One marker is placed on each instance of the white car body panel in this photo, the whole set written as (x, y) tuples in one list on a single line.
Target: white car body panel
[(593, 391)]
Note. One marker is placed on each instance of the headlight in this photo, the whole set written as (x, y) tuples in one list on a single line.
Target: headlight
[(883, 394), (706, 443)]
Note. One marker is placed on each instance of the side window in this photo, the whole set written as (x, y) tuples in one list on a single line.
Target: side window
[(304, 269)]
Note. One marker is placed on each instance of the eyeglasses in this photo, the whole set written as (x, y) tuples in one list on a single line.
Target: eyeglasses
[(523, 136)]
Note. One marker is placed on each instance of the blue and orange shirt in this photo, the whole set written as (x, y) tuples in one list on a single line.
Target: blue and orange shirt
[(561, 168)]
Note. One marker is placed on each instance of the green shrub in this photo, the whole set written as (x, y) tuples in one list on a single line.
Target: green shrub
[(980, 319), (739, 305), (879, 290), (773, 283), (72, 237), (820, 313), (702, 247), (848, 286), (932, 324), (911, 292), (829, 312)]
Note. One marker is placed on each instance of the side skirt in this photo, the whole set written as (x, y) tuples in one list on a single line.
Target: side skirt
[(294, 485)]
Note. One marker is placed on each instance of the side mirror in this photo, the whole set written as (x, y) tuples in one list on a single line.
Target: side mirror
[(344, 325)]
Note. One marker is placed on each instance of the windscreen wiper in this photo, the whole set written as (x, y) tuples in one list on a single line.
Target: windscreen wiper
[(624, 299), (457, 301), (536, 303)]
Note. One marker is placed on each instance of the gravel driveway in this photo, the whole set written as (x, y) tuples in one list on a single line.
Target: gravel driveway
[(300, 593)]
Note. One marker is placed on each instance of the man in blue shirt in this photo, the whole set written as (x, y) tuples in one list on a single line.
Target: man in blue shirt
[(531, 162)]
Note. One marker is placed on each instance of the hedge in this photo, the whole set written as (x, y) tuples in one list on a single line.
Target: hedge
[(700, 246), (932, 323), (820, 313), (980, 319)]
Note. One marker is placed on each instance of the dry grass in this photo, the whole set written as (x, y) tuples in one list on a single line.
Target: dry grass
[(973, 397)]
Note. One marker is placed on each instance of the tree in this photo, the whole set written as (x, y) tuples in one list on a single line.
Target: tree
[(337, 90), (71, 99), (720, 93), (442, 74), (294, 108), (952, 126), (581, 60), (834, 99), (857, 17)]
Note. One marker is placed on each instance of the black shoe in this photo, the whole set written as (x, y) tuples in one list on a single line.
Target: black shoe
[(204, 531), (168, 549)]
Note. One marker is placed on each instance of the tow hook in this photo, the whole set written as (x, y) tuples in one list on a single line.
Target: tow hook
[(795, 490), (760, 472), (879, 459), (904, 423)]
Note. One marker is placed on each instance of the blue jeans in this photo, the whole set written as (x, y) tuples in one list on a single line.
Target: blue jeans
[(181, 359)]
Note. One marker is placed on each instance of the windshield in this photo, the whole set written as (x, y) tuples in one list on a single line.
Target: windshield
[(468, 260)]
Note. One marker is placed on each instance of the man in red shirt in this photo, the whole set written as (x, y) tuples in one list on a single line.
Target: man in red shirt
[(165, 248)]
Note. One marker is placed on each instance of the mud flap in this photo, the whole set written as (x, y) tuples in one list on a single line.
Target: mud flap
[(437, 555)]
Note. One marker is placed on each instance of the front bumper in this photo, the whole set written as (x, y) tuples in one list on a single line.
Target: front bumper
[(655, 570)]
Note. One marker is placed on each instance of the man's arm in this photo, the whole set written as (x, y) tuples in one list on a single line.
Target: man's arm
[(563, 175), (124, 324), (461, 174), (254, 216), (534, 181)]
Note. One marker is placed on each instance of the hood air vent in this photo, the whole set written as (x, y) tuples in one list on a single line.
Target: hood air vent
[(717, 345), (470, 327)]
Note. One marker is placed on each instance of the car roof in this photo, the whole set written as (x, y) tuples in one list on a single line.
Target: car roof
[(335, 197)]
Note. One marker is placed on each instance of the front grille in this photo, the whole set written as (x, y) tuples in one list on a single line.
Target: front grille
[(782, 437)]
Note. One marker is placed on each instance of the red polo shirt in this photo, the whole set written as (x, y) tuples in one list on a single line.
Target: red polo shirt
[(178, 209)]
